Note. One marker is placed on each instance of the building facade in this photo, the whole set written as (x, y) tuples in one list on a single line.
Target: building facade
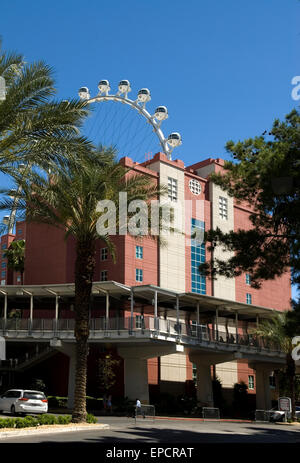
[(173, 267)]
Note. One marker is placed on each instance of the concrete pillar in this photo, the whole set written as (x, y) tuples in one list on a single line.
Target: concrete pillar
[(204, 385), (2, 348), (70, 351), (136, 379), (263, 393)]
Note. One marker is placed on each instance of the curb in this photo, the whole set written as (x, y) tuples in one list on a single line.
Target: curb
[(204, 419), (48, 430)]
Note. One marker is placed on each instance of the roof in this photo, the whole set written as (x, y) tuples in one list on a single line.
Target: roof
[(165, 297)]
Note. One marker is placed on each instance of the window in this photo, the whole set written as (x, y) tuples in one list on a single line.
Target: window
[(4, 246), (104, 253), (195, 187), (139, 321), (197, 258), (172, 189), (138, 274), (3, 282), (223, 207), (139, 252), (272, 381), (19, 231), (18, 279), (248, 279), (3, 274), (3, 264), (194, 373), (251, 382), (103, 275), (248, 298)]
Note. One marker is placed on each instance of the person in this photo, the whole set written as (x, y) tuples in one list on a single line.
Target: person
[(138, 406), (109, 404)]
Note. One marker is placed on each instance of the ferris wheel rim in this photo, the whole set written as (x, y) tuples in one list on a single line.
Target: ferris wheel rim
[(104, 96)]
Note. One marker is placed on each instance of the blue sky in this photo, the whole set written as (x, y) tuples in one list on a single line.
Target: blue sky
[(223, 68)]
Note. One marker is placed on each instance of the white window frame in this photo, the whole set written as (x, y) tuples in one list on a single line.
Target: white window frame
[(139, 276), (103, 254), (139, 252), (251, 384), (172, 189), (103, 273), (223, 207)]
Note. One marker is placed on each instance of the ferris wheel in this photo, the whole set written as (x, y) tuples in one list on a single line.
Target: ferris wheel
[(133, 137)]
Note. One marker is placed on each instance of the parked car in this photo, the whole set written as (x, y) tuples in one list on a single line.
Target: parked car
[(23, 401), (278, 415)]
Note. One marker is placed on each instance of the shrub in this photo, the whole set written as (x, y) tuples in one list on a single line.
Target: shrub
[(64, 419), (91, 418), (7, 423), (47, 419)]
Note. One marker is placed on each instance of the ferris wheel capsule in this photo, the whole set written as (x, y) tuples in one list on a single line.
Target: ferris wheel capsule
[(161, 113), (124, 87), (144, 95), (174, 139), (84, 93), (104, 87)]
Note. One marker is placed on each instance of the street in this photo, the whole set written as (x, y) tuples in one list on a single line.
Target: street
[(123, 431)]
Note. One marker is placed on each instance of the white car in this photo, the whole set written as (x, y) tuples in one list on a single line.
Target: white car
[(23, 401), (278, 415)]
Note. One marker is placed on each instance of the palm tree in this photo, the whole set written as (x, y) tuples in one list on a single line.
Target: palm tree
[(68, 199), (278, 331), (15, 256), (33, 127)]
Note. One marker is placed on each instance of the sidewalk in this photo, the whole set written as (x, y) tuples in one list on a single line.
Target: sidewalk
[(51, 429)]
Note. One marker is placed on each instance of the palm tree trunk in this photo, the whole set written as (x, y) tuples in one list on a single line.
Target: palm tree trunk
[(291, 375), (84, 272)]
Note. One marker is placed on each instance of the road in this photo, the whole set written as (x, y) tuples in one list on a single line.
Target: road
[(123, 431)]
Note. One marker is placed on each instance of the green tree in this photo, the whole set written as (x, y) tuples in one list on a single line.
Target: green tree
[(278, 331), (15, 256), (107, 372), (265, 172), (68, 200), (34, 128)]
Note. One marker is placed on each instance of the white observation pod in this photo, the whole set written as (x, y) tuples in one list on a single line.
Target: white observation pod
[(104, 86), (124, 86), (161, 113), (174, 139), (144, 95), (84, 93)]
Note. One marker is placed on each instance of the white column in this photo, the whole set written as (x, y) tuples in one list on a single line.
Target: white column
[(107, 309), (217, 324), (237, 327), (155, 311), (31, 311), (204, 385), (131, 309), (136, 379), (56, 312)]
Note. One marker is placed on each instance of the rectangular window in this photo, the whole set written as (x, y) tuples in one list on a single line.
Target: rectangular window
[(223, 207), (139, 321), (3, 274), (139, 252), (18, 279), (104, 253), (3, 282), (172, 189), (272, 381), (194, 373), (197, 257), (4, 246), (103, 275), (248, 298), (138, 274), (248, 279), (3, 264), (251, 382)]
